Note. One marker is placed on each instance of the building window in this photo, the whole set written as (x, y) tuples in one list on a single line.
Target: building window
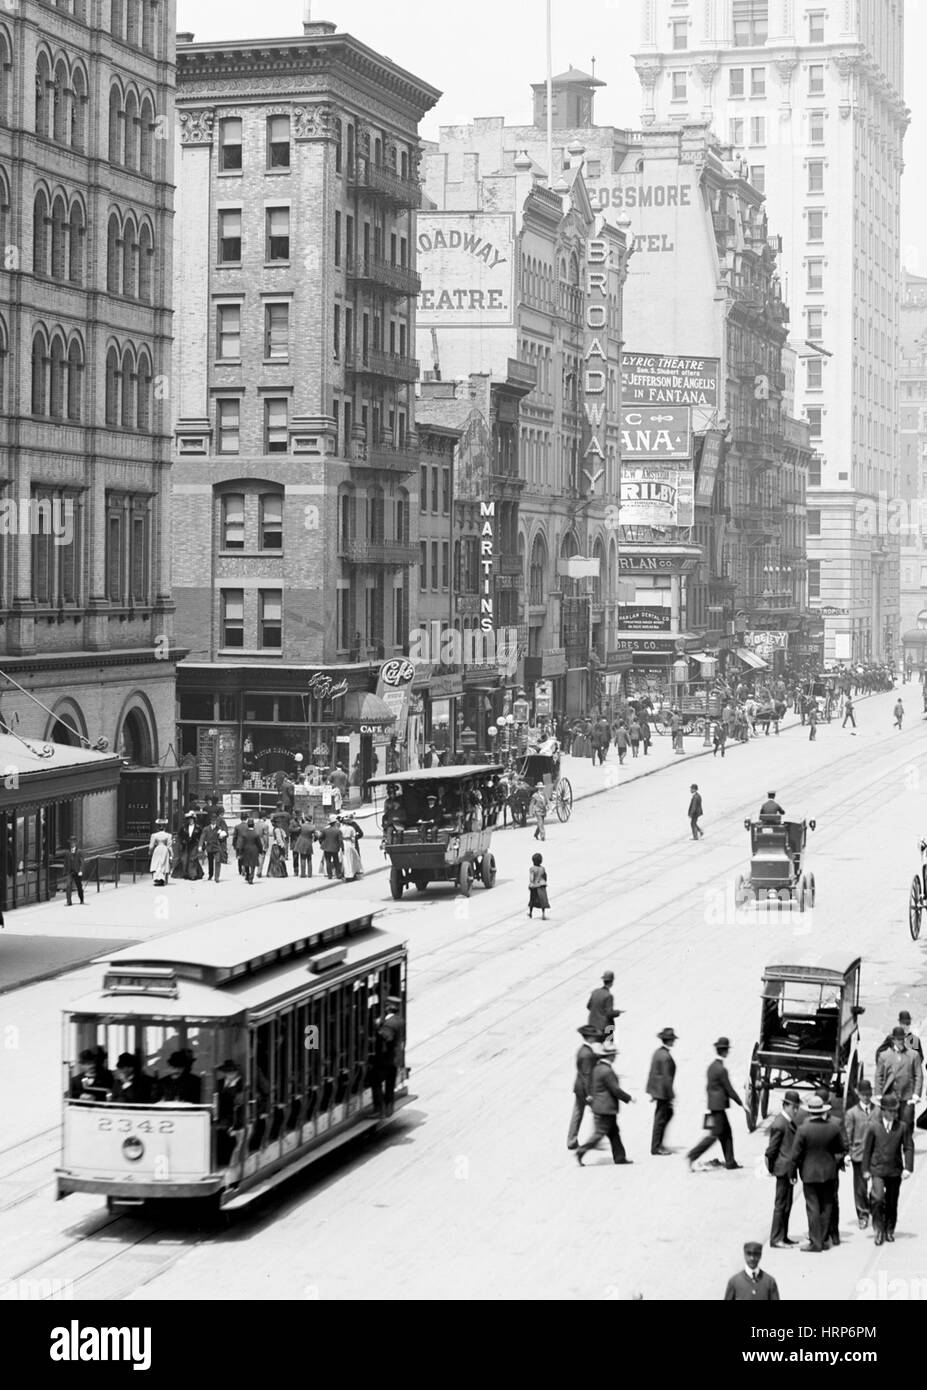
[(814, 579), (816, 26), (435, 574), (271, 617), (737, 130), (230, 237), (816, 128), (233, 618), (815, 373), (816, 80), (434, 489), (445, 564), (278, 234), (230, 146), (423, 487), (757, 130), (735, 82), (815, 176), (815, 415), (816, 224), (680, 34), (758, 177), (277, 331), (233, 521), (272, 521), (446, 491), (816, 274), (757, 82), (278, 142), (276, 431), (138, 557), (751, 23), (814, 471), (55, 549), (228, 333), (423, 565), (679, 86), (815, 319), (228, 426), (337, 238)]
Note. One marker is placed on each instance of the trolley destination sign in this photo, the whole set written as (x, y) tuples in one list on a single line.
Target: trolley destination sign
[(657, 379)]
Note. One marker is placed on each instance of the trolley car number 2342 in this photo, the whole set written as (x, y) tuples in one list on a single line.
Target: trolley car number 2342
[(146, 1126)]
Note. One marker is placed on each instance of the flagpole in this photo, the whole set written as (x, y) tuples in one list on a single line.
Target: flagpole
[(550, 102)]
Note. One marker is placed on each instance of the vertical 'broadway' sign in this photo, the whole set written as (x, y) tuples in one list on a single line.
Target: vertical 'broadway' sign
[(595, 359)]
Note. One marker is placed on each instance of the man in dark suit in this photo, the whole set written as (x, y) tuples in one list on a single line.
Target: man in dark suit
[(899, 1072), (817, 1157), (782, 1133), (770, 809), (661, 1089), (606, 1096), (855, 1126), (911, 1041), (131, 1086), (720, 1095), (582, 1085), (73, 871), (751, 1283), (888, 1157), (388, 1057), (250, 848), (601, 1006)]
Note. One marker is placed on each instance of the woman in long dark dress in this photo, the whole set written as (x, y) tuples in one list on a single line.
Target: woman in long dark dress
[(188, 861), (537, 887)]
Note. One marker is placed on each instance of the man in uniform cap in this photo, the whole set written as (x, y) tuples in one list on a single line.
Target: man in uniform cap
[(751, 1282), (387, 1056), (782, 1133), (582, 1085), (601, 1006), (720, 1095), (888, 1157), (817, 1156), (661, 1090), (606, 1096)]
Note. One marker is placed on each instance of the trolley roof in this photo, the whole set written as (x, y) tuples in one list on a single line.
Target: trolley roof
[(437, 774), (828, 970)]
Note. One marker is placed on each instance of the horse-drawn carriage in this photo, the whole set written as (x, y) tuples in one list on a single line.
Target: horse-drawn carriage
[(777, 874), (437, 826), (809, 1033), (535, 768)]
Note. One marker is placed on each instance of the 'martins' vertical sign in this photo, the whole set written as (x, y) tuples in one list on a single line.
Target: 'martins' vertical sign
[(487, 552), (595, 359)]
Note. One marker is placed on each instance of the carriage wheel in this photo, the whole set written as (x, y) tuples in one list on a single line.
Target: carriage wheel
[(752, 1097), (803, 894), (396, 882), (915, 907), (564, 800), (488, 870), (812, 887), (465, 878)]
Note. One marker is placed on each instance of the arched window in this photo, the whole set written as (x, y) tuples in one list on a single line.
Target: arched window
[(537, 573), (117, 18), (130, 155), (75, 378), (4, 215), (143, 412), (376, 515), (58, 366), (113, 255), (76, 232), (43, 82), (146, 137), (115, 125), (402, 517), (145, 263), (6, 69), (78, 132), (39, 374), (40, 238), (130, 259), (59, 221), (60, 122), (112, 388), (598, 583), (347, 516), (127, 414), (3, 354)]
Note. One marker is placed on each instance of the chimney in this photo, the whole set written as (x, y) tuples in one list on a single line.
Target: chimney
[(314, 29), (185, 38)]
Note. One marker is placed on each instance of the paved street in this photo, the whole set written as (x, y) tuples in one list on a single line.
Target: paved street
[(474, 1195)]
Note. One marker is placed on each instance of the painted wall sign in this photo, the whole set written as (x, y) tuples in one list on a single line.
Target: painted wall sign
[(466, 261)]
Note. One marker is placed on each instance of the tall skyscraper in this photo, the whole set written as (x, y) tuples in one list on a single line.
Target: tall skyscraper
[(812, 94)]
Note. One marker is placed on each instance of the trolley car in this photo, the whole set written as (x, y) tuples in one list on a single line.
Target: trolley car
[(294, 1000)]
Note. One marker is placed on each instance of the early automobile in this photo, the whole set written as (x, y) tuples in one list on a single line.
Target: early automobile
[(809, 1033), (437, 826), (777, 874), (544, 768)]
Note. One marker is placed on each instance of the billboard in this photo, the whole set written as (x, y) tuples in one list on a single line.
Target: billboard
[(663, 433), (658, 379), (466, 261), (657, 495)]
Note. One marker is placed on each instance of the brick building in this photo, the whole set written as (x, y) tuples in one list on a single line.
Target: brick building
[(296, 472), (85, 325)]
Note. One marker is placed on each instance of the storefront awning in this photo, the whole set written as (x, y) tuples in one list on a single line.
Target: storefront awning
[(365, 711), (36, 773), (751, 660)]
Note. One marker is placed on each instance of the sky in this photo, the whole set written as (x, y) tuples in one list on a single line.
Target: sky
[(484, 55)]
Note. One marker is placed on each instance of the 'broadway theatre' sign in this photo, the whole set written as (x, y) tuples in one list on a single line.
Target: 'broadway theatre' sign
[(466, 263), (655, 379), (665, 433)]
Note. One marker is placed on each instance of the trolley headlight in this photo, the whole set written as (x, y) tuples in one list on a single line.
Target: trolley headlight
[(133, 1148)]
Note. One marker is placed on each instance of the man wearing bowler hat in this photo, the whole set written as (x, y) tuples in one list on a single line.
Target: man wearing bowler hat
[(661, 1090), (586, 1059), (606, 1097), (782, 1134), (817, 1157), (888, 1157), (856, 1125), (601, 1006), (720, 1095), (899, 1073), (751, 1282)]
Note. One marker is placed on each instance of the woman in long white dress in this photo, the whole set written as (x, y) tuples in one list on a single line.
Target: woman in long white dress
[(159, 848), (353, 868)]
